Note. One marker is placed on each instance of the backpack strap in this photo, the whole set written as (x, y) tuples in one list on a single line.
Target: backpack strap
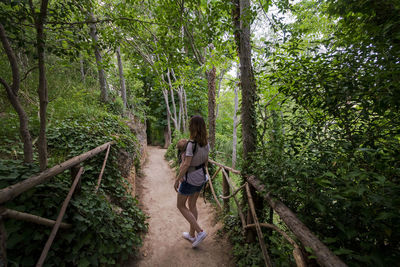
[(179, 153), (193, 151)]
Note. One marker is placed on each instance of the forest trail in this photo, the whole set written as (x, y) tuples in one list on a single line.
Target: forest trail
[(164, 244)]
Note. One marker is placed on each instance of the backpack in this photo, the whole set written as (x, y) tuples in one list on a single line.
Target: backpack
[(179, 155), (201, 166)]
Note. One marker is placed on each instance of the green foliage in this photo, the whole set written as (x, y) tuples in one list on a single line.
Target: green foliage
[(328, 145), (106, 226), (246, 254), (347, 196)]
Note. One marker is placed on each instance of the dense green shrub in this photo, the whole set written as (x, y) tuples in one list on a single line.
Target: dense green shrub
[(107, 226), (348, 197)]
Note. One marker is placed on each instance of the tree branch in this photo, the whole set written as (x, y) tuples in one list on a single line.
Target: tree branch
[(6, 86), (101, 21), (12, 59), (26, 74), (196, 52)]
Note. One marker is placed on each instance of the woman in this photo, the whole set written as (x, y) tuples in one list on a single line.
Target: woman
[(191, 178)]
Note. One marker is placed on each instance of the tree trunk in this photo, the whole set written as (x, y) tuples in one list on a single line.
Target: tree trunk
[(175, 118), (186, 111), (102, 78), (42, 90), (221, 76), (248, 119), (235, 122), (165, 93), (167, 135), (181, 108), (181, 115), (121, 77), (12, 93), (82, 68), (241, 17), (236, 23), (211, 77)]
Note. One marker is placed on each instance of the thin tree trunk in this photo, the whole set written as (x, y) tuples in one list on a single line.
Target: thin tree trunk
[(211, 77), (181, 108), (168, 138), (165, 93), (102, 78), (42, 89), (175, 118), (235, 122), (181, 115), (221, 76), (12, 93), (186, 111), (121, 77), (82, 68)]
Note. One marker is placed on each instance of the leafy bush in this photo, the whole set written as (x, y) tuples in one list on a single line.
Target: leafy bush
[(246, 254), (107, 226), (349, 197)]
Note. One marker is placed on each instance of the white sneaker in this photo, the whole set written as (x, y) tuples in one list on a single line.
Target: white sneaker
[(200, 237), (187, 236)]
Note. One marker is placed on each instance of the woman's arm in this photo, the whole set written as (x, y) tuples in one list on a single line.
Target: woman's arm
[(182, 170)]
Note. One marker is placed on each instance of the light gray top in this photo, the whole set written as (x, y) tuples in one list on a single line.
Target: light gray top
[(196, 177)]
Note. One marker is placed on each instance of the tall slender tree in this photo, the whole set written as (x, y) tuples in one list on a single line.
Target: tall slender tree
[(99, 59), (248, 84), (12, 93), (40, 20), (235, 119), (242, 18), (121, 77)]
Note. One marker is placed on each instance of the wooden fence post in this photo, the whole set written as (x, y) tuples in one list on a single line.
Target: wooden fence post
[(74, 173), (225, 191), (3, 239), (59, 219), (252, 209)]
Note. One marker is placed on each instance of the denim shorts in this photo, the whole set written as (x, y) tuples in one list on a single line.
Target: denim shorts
[(187, 189)]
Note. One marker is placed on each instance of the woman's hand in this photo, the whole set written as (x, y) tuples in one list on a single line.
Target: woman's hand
[(176, 185)]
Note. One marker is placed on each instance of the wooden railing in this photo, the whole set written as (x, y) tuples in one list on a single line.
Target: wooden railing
[(323, 255), (10, 192)]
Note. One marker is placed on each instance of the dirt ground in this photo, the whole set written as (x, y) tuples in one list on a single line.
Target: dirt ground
[(164, 244)]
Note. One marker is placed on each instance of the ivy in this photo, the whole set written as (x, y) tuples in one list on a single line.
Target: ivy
[(107, 226)]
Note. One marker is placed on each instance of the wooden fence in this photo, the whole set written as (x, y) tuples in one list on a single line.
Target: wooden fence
[(10, 192), (322, 253)]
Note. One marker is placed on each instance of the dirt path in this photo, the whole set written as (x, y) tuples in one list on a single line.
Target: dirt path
[(164, 245)]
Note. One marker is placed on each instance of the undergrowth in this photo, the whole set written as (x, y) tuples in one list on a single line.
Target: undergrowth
[(107, 226)]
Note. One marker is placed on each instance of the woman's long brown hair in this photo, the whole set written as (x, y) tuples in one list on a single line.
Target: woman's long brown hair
[(198, 130)]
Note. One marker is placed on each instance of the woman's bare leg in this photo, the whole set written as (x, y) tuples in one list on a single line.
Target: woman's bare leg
[(181, 205), (192, 199)]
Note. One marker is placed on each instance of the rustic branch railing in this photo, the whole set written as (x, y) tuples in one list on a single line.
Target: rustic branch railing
[(322, 253), (10, 192)]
